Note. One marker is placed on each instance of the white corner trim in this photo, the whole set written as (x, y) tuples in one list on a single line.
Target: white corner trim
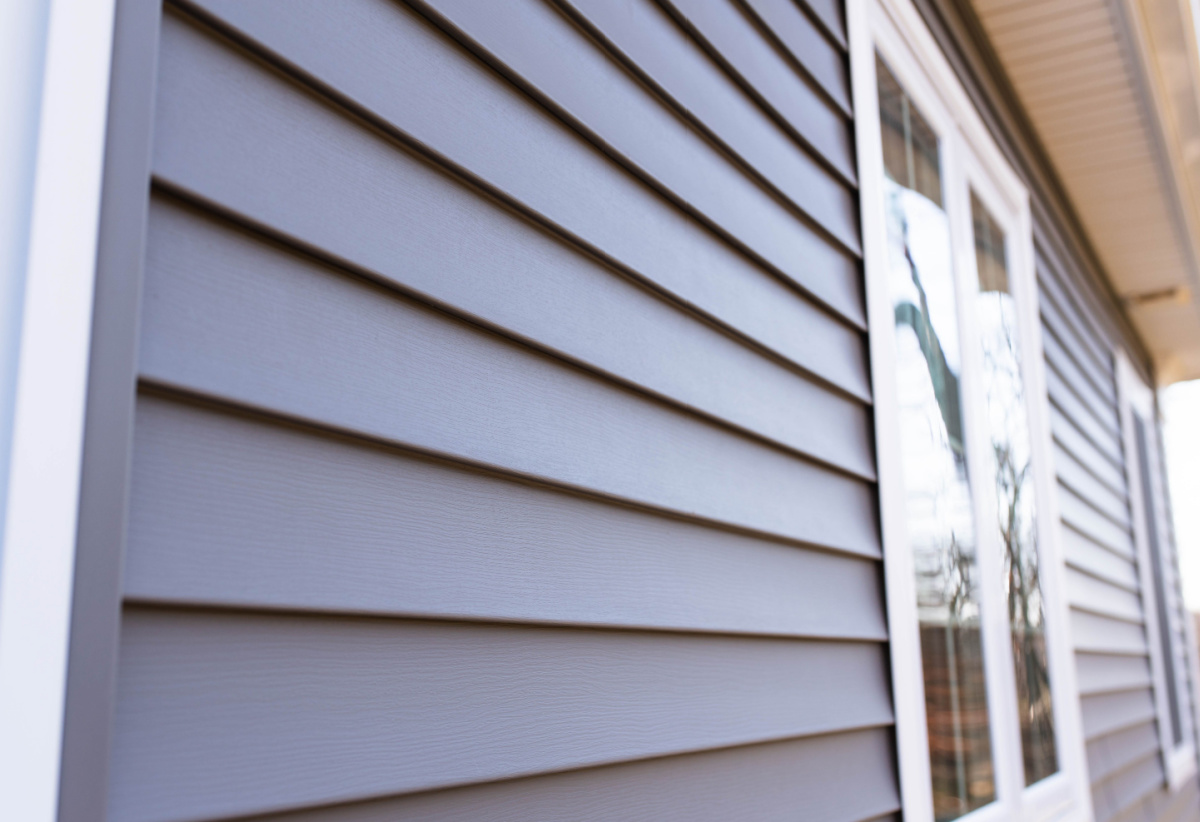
[(39, 536)]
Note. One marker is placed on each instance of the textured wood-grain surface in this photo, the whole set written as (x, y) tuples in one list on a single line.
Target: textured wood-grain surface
[(756, 783), (224, 714), (239, 511), (245, 322), (503, 446)]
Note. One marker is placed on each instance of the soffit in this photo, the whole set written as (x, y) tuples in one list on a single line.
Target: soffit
[(1113, 89)]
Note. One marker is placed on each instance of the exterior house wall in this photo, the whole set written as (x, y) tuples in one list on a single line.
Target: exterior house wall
[(502, 435), (502, 444), (1082, 329), (1104, 587)]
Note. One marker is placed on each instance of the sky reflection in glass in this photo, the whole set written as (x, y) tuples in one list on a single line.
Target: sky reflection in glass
[(940, 521), (1008, 428)]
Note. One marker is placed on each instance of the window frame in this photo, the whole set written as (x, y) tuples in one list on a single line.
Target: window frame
[(971, 160), (1135, 396)]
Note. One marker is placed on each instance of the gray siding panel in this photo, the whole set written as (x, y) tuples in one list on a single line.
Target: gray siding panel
[(447, 100), (233, 133), (239, 511), (1084, 295), (1102, 673), (403, 222), (1091, 525), (1062, 319), (1106, 713), (1112, 652), (1116, 751), (540, 47), (1076, 476), (1080, 515), (1066, 397), (1089, 593), (1060, 334), (1103, 586), (729, 33), (1103, 634), (1122, 789), (750, 783), (224, 714), (803, 41), (832, 15), (1100, 407), (503, 444), (1091, 558), (660, 52), (243, 321), (1068, 435)]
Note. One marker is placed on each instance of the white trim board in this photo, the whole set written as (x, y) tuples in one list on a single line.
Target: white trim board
[(47, 437), (970, 157)]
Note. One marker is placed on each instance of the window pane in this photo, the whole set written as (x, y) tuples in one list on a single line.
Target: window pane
[(910, 145), (941, 526), (1008, 426)]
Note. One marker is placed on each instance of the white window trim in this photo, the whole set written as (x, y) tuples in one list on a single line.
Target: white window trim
[(38, 553), (1179, 763), (895, 29)]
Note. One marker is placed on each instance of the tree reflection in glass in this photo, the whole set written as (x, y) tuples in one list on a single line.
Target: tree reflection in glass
[(1008, 427), (941, 526)]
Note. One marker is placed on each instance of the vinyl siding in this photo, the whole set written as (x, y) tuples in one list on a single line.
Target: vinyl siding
[(1103, 584), (503, 439), (768, 781)]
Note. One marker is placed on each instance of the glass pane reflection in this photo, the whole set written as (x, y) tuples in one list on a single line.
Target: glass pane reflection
[(941, 526), (1008, 427)]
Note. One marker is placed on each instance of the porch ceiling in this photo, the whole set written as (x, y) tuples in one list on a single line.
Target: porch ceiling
[(1113, 89)]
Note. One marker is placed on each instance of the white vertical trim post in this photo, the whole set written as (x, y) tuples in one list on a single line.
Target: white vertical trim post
[(908, 679), (47, 437)]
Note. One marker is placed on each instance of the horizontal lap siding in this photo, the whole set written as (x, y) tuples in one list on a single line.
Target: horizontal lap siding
[(365, 707), (1103, 586), (503, 445), (738, 783), (311, 521), (228, 314)]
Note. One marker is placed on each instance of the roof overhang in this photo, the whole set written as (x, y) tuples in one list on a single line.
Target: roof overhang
[(1113, 90)]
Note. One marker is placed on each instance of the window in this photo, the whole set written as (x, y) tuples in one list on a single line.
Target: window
[(1166, 631), (940, 515), (987, 711), (1010, 463)]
